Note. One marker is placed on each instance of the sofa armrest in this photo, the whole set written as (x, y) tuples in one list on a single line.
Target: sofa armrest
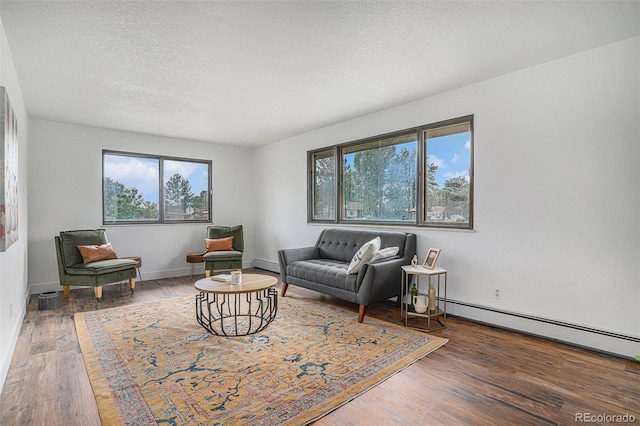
[(288, 256), (380, 280)]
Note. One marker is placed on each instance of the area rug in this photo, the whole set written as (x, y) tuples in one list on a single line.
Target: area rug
[(151, 363)]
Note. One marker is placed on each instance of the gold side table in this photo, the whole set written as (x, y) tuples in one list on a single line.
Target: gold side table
[(435, 319)]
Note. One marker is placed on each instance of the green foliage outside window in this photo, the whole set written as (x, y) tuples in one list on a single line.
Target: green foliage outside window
[(126, 204), (379, 183), (324, 186)]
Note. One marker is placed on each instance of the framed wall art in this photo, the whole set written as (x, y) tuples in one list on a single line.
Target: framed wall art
[(431, 259), (8, 172)]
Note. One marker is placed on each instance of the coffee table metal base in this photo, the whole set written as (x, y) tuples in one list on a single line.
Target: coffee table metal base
[(236, 314)]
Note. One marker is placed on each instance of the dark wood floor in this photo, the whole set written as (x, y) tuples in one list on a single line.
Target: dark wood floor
[(484, 375)]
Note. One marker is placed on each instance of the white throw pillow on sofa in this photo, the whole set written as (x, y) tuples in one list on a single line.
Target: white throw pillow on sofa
[(363, 255), (385, 253)]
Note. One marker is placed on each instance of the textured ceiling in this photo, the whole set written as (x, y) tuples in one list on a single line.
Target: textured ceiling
[(250, 73)]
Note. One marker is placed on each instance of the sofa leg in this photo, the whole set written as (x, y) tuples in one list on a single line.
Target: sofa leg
[(361, 312), (98, 292), (65, 288), (284, 289), (398, 301), (132, 284)]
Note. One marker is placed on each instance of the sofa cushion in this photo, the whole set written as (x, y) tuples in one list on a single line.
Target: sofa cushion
[(219, 244), (342, 244), (93, 253), (328, 272), (363, 255), (222, 255), (70, 240), (215, 232), (385, 253), (102, 267)]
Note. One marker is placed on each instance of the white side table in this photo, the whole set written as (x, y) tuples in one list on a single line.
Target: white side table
[(436, 319)]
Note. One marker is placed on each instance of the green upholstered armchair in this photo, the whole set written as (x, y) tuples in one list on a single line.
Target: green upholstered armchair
[(224, 260), (73, 271)]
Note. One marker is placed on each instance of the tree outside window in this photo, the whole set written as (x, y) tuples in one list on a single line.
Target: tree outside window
[(323, 185), (379, 180)]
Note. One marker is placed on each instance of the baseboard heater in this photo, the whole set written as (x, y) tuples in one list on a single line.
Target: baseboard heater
[(591, 338)]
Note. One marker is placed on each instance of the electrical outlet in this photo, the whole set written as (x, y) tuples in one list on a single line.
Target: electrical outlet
[(497, 293)]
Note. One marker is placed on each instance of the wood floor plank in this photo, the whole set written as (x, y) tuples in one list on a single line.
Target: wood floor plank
[(483, 375)]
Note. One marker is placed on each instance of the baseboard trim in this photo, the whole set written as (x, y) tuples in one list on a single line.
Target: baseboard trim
[(146, 275), (604, 341), (7, 353), (266, 265)]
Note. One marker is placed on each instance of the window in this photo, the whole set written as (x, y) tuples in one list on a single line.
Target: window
[(152, 189), (379, 180), (421, 176), (323, 186), (448, 174)]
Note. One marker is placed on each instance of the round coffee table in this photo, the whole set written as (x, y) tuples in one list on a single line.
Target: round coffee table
[(226, 309)]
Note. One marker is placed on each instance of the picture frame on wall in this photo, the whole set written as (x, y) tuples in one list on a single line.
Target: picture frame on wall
[(8, 173), (431, 259)]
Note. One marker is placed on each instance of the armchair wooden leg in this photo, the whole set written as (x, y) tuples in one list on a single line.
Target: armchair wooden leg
[(132, 284), (98, 292), (207, 273), (284, 289), (361, 312), (65, 288)]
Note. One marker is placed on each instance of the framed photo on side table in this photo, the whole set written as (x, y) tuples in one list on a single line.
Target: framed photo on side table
[(431, 259)]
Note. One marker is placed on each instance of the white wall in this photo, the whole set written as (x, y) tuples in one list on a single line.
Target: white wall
[(557, 194), (13, 262), (65, 181)]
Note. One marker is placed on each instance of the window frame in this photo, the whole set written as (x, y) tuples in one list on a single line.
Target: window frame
[(421, 188), (311, 186), (161, 201), (423, 164)]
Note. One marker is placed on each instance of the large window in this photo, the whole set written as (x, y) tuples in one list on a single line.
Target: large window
[(421, 176), (152, 189)]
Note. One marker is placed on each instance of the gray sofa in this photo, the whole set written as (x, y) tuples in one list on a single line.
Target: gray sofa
[(323, 267)]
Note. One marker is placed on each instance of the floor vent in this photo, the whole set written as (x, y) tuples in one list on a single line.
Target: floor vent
[(48, 300)]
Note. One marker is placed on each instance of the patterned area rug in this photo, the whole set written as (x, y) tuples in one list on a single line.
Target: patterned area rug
[(152, 363)]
